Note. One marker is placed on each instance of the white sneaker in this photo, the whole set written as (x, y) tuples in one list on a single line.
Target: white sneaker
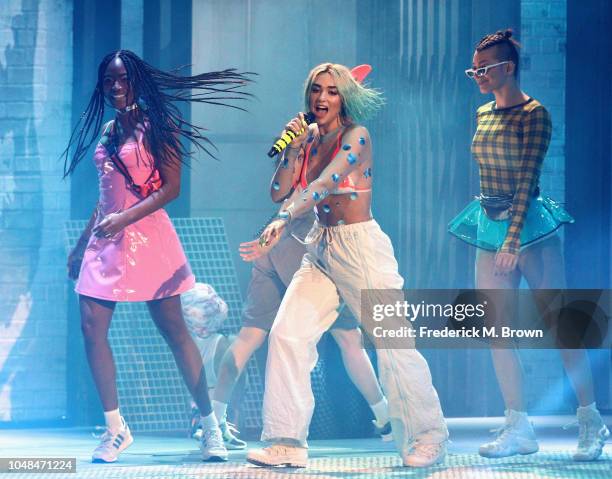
[(592, 435), (425, 455), (112, 444), (229, 431), (516, 436), (383, 430), (212, 446), (279, 455)]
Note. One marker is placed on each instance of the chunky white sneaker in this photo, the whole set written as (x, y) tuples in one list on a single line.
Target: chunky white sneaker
[(425, 455), (229, 431), (279, 455), (516, 436), (212, 446), (383, 430), (112, 444), (591, 436)]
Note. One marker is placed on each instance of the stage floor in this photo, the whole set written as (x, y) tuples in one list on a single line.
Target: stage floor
[(172, 457)]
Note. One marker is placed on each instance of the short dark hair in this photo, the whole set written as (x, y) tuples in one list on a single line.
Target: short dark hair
[(507, 46)]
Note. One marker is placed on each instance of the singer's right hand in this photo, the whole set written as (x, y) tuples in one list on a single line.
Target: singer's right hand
[(296, 125), (252, 250)]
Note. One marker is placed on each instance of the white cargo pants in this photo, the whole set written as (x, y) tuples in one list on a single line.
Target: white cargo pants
[(340, 262)]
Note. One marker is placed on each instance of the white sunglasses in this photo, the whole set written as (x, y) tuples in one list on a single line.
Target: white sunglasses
[(482, 71)]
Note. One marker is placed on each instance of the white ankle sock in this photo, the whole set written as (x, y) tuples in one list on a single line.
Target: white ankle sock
[(590, 407), (220, 409), (381, 411), (113, 420), (209, 422)]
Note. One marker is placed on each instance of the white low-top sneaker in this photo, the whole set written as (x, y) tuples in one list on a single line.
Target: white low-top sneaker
[(211, 445), (231, 441), (112, 444)]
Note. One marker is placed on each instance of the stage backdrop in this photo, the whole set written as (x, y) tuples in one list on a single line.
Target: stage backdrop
[(49, 51)]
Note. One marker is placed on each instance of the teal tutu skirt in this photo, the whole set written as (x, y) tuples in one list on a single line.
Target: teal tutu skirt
[(473, 226)]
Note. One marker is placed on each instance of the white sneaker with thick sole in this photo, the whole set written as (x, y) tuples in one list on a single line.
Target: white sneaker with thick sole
[(211, 445), (516, 436), (279, 455), (112, 444), (592, 435), (425, 455)]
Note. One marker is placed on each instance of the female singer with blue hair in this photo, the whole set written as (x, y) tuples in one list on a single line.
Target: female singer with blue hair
[(347, 253)]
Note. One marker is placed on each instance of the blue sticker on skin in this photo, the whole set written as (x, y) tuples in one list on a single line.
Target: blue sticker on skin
[(276, 186), (354, 196), (326, 208), (346, 147), (351, 159), (368, 172), (316, 196), (314, 151), (335, 177), (361, 140)]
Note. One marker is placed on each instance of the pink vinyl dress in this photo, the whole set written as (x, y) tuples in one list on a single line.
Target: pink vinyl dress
[(144, 261)]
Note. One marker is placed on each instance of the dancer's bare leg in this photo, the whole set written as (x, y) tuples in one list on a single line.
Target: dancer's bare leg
[(234, 360), (168, 317), (96, 315), (543, 267), (506, 360), (357, 363)]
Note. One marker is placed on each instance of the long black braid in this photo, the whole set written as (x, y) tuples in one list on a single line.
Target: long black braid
[(156, 93)]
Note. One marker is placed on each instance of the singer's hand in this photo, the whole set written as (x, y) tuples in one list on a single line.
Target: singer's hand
[(296, 125), (272, 233), (252, 250)]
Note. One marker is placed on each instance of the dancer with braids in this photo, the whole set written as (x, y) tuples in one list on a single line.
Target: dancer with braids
[(514, 229), (346, 253), (129, 251), (271, 274)]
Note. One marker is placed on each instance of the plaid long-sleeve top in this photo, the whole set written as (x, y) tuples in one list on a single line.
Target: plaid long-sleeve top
[(510, 145)]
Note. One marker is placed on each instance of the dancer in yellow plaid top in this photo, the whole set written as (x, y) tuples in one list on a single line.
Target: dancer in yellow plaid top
[(514, 228), (509, 146)]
